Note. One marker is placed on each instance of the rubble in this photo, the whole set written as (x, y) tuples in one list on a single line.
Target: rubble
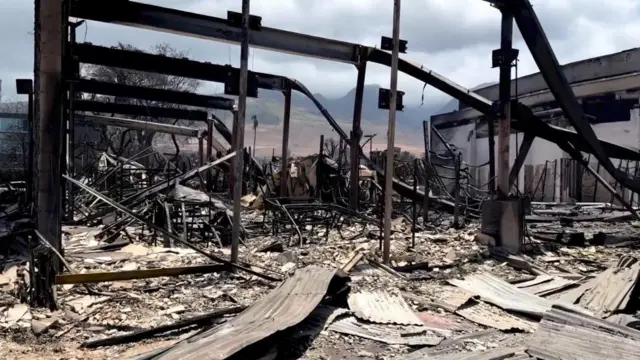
[(310, 281)]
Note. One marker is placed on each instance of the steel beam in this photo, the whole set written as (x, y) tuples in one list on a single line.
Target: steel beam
[(139, 125), (139, 110), (141, 61), (152, 94), (158, 18), (525, 147)]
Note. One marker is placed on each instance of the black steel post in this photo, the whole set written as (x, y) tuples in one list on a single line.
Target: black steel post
[(504, 132), (318, 174), (426, 128), (492, 155), (456, 208), (356, 132), (30, 151), (284, 163), (414, 203)]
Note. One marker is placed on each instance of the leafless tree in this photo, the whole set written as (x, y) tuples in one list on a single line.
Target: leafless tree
[(331, 148), (125, 141)]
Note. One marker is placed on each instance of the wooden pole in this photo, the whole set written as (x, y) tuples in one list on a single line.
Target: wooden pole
[(239, 143), (391, 132)]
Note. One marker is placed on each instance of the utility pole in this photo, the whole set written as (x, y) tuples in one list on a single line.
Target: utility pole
[(48, 39), (239, 143), (391, 132)]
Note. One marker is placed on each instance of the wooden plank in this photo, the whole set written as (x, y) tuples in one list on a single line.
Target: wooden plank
[(138, 274)]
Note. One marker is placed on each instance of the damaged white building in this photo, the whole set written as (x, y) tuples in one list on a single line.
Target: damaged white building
[(608, 87)]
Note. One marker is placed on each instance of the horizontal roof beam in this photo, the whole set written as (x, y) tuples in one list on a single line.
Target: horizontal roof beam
[(141, 61), (138, 125), (158, 18), (152, 94), (138, 110)]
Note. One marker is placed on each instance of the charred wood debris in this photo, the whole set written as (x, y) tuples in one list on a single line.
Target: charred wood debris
[(145, 260)]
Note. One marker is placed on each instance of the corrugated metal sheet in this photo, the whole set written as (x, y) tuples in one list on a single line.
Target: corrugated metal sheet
[(383, 308), (502, 294), (317, 321), (284, 307), (550, 286), (448, 345), (493, 354), (567, 335), (613, 289), (487, 315), (388, 334)]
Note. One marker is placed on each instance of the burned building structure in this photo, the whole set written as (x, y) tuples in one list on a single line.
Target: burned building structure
[(237, 228)]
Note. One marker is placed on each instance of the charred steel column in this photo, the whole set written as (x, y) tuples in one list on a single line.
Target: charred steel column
[(356, 132), (239, 145), (284, 173), (48, 116), (426, 129), (391, 132), (201, 150), (504, 134), (492, 154), (209, 176)]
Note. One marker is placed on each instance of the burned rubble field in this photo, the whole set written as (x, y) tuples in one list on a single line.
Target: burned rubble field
[(449, 297)]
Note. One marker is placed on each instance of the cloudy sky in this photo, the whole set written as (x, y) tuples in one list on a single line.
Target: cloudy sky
[(452, 37)]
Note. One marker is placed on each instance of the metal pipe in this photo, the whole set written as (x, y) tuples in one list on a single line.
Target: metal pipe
[(388, 176), (242, 109), (284, 163)]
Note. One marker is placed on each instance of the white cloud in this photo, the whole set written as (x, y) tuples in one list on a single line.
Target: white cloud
[(454, 38)]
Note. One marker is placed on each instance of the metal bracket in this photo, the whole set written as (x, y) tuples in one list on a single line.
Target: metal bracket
[(234, 19), (384, 99), (500, 57), (386, 43), (232, 83)]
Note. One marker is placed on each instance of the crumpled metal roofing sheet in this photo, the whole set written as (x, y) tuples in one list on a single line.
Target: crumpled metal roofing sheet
[(493, 354), (491, 316), (382, 308), (567, 335), (613, 289), (284, 307), (389, 334), (507, 296), (447, 346)]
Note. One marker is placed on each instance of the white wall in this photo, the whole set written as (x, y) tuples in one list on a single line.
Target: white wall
[(476, 150)]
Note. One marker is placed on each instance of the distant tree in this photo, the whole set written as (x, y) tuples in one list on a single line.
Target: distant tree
[(330, 148), (122, 139)]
